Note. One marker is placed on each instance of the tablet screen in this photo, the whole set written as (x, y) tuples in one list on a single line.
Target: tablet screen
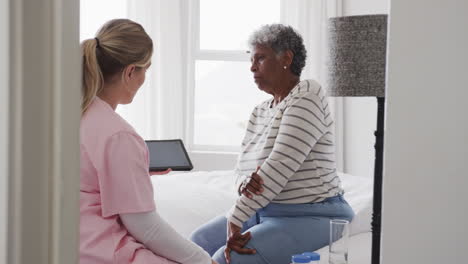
[(166, 154)]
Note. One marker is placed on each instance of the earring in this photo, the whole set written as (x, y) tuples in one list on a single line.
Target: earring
[(285, 67)]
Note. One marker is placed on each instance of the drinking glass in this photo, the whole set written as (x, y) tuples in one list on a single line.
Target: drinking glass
[(339, 236)]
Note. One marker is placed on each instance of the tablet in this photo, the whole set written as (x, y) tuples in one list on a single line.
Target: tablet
[(165, 154)]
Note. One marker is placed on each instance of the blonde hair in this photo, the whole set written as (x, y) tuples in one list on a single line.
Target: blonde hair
[(119, 43)]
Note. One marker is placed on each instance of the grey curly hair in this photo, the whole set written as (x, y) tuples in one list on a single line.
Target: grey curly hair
[(282, 38)]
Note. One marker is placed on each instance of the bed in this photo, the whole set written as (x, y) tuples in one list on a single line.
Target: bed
[(188, 200)]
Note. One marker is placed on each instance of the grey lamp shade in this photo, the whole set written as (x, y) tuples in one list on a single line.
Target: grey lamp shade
[(356, 55)]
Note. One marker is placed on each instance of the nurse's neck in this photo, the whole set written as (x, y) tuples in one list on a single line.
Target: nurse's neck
[(110, 95)]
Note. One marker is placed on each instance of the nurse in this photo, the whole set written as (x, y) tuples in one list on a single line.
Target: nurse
[(118, 219)]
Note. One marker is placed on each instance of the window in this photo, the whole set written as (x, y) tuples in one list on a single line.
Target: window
[(93, 14), (220, 80)]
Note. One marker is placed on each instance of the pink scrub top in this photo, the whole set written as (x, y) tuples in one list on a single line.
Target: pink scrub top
[(114, 180)]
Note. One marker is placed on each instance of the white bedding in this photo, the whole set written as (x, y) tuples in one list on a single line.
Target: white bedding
[(188, 200)]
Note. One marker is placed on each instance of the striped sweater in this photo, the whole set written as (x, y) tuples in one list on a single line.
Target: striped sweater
[(293, 145)]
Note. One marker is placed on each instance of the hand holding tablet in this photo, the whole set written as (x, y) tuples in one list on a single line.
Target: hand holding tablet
[(168, 154), (152, 173)]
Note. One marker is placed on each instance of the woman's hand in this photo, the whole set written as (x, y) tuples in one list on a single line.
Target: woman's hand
[(236, 241), (160, 172), (252, 184), (213, 262)]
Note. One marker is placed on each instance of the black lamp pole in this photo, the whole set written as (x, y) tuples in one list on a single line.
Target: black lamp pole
[(378, 169)]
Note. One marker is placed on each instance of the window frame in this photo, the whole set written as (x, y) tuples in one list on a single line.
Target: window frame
[(194, 54)]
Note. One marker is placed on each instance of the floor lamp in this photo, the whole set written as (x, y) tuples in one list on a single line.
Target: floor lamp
[(356, 67)]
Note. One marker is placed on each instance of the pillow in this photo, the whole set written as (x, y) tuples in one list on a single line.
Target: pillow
[(358, 193)]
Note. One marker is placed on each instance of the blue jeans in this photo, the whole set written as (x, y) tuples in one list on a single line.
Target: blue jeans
[(278, 231)]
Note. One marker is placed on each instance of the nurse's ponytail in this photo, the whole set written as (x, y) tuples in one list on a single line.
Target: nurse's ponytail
[(119, 43)]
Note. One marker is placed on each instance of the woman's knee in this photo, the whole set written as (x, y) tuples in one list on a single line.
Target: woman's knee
[(196, 236), (211, 236), (200, 236), (237, 258), (210, 231), (218, 256)]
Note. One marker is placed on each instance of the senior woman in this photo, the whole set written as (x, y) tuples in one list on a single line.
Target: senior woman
[(290, 188)]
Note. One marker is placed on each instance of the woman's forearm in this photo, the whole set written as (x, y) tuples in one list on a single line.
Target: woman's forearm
[(158, 236)]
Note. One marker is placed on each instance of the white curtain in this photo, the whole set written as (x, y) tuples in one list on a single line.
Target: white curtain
[(310, 18), (159, 107)]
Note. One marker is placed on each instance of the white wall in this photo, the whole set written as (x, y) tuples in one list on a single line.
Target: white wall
[(365, 7), (3, 126), (361, 113), (425, 207)]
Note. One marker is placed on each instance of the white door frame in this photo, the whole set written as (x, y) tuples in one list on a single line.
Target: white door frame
[(44, 132), (4, 94)]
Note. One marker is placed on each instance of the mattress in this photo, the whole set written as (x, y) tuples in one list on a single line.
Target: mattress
[(188, 200)]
